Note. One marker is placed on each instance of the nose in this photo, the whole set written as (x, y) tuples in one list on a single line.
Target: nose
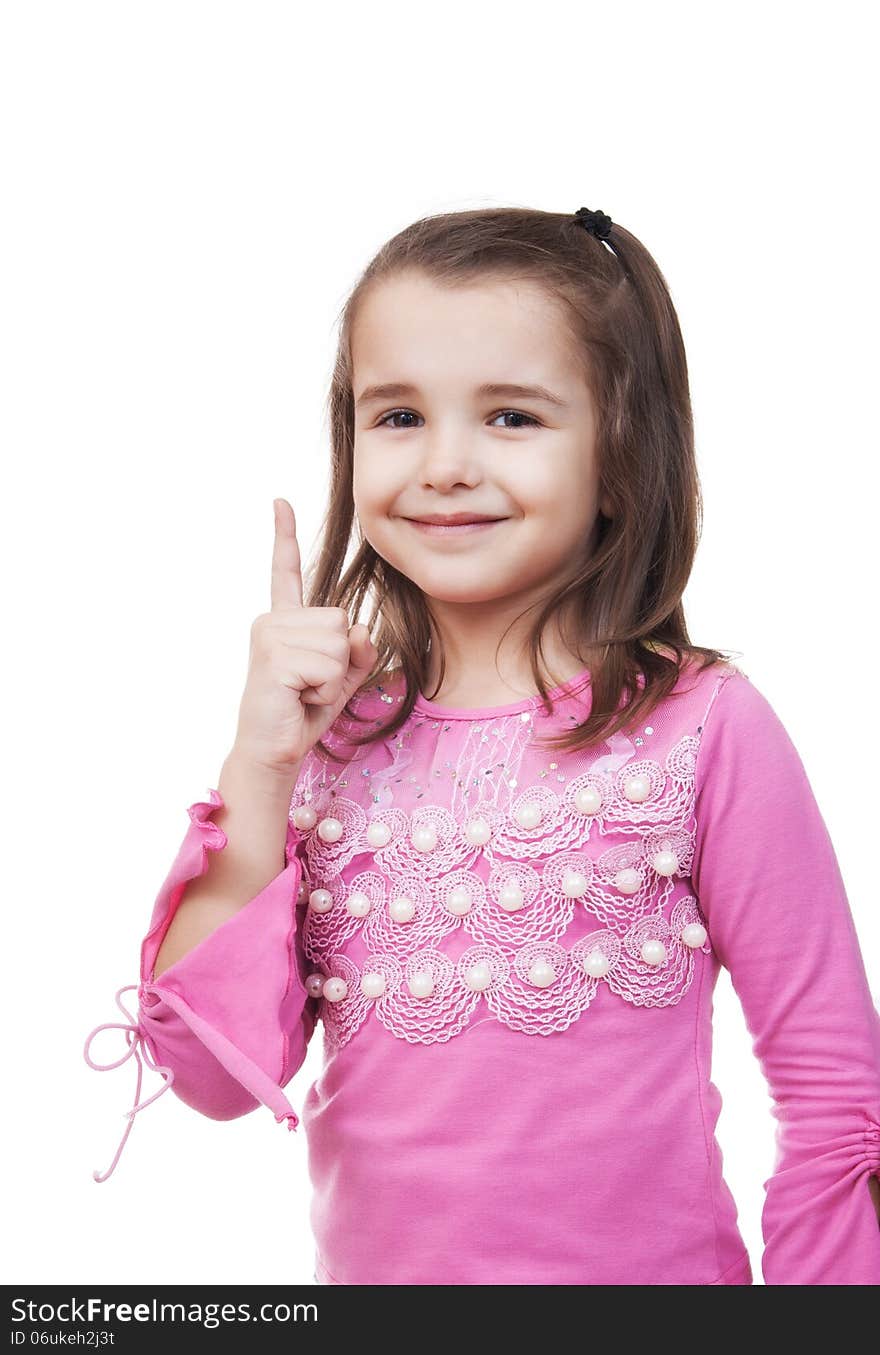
[(447, 460)]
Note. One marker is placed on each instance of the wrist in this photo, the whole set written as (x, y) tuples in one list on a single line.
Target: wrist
[(241, 769)]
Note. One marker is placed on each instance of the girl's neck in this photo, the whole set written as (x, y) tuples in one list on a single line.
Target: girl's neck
[(475, 685), (486, 653)]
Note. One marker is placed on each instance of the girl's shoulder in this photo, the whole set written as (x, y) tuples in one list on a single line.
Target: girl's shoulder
[(693, 667), (686, 706), (705, 680)]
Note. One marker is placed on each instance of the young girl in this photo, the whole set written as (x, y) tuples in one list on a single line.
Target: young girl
[(501, 853)]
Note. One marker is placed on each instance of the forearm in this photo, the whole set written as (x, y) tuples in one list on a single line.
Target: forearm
[(254, 817), (772, 891)]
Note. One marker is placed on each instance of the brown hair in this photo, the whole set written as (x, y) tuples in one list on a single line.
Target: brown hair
[(625, 601)]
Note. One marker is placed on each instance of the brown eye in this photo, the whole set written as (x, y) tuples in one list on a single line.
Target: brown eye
[(395, 413), (517, 414)]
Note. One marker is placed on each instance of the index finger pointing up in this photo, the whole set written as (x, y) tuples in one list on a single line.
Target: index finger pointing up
[(286, 567)]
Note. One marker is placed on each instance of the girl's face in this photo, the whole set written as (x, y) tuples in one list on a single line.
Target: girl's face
[(434, 442)]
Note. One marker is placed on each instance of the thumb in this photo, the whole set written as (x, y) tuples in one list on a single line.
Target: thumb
[(362, 656)]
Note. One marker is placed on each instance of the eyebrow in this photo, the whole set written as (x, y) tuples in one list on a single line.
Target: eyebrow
[(509, 390)]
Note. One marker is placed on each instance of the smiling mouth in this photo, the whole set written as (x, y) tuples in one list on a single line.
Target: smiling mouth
[(455, 528)]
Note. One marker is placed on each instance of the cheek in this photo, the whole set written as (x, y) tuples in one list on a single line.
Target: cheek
[(561, 510), (563, 493), (374, 498), (370, 489)]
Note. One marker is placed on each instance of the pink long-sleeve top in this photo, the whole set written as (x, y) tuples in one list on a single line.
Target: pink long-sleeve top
[(512, 953)]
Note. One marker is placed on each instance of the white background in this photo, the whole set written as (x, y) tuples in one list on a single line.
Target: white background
[(190, 190)]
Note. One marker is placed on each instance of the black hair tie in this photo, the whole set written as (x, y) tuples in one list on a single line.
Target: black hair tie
[(597, 223)]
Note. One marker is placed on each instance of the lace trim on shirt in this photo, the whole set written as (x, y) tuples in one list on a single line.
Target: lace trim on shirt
[(541, 866), (540, 988)]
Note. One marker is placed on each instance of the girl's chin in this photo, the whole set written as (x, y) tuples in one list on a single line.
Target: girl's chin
[(467, 588)]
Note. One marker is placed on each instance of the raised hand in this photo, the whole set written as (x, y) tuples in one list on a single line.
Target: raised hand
[(305, 663)]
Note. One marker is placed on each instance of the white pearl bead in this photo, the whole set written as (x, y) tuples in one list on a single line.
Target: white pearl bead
[(653, 952), (304, 816), (694, 934), (528, 816), (424, 839), (628, 880), (402, 909), (378, 834), (479, 976), (321, 900), (588, 799), (372, 984), (459, 901), (330, 830), (665, 863), (574, 884), (511, 897), (358, 904), (477, 831), (315, 985), (422, 983), (596, 964), (303, 892), (335, 989), (637, 788), (542, 973)]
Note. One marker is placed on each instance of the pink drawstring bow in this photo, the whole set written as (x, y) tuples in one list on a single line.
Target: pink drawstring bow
[(135, 1037)]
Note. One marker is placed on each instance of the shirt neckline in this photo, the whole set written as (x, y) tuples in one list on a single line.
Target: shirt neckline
[(422, 703)]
